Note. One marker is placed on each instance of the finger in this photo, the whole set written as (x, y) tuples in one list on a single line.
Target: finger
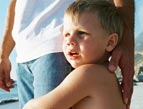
[(12, 81), (124, 93), (3, 86), (127, 87), (3, 83), (114, 62), (10, 84), (7, 79), (127, 107), (127, 83)]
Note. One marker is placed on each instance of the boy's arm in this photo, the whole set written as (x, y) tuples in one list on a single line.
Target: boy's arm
[(123, 55), (69, 92), (91, 81), (5, 49)]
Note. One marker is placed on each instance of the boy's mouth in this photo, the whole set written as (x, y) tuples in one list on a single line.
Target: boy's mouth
[(73, 54)]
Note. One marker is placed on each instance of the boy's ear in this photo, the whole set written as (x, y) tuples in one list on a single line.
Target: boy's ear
[(112, 42)]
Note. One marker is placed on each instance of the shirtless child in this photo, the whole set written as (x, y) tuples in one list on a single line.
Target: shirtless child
[(92, 29)]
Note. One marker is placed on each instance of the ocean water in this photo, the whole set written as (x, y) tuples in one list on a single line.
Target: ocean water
[(7, 96)]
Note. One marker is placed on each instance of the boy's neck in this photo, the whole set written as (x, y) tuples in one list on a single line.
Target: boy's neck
[(104, 59)]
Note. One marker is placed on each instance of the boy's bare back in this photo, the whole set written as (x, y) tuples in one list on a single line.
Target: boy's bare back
[(95, 93)]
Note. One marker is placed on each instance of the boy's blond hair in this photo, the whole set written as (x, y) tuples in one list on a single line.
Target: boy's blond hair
[(107, 14)]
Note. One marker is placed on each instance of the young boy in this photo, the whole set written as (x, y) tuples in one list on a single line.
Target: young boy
[(91, 31)]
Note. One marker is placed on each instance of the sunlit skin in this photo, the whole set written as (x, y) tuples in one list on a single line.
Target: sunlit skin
[(90, 85), (85, 41)]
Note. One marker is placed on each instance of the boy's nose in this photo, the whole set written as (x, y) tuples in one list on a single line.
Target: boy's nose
[(71, 41)]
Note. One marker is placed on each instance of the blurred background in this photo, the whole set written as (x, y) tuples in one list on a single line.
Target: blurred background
[(137, 99), (138, 33)]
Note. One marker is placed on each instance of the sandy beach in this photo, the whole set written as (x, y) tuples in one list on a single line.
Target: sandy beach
[(137, 99)]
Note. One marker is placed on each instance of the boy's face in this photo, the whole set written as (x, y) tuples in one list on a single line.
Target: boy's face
[(85, 41)]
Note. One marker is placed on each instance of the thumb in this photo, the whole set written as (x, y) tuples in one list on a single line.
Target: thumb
[(114, 62)]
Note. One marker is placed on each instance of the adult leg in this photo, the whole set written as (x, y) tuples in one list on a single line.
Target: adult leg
[(25, 84), (39, 76), (49, 71)]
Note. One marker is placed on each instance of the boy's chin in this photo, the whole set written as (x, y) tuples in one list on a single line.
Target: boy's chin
[(75, 65)]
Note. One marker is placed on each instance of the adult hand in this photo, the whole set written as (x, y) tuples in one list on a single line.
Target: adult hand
[(123, 57), (5, 81)]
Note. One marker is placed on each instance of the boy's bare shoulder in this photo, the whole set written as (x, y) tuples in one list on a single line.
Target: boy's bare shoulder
[(94, 73), (92, 68)]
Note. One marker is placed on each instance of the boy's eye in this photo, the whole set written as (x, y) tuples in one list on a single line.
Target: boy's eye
[(81, 33), (66, 34)]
